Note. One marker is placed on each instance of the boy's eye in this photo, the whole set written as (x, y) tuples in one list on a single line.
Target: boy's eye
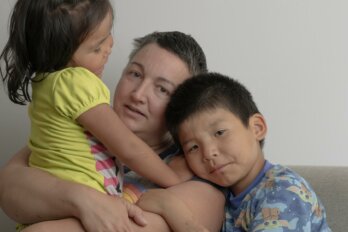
[(220, 132), (192, 149), (97, 50)]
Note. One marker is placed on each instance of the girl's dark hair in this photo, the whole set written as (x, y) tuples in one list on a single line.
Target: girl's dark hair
[(43, 36)]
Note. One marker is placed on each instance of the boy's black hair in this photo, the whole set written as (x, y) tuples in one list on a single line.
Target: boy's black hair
[(208, 91), (43, 36)]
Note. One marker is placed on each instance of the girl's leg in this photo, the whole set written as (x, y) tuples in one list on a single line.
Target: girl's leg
[(66, 225), (155, 224)]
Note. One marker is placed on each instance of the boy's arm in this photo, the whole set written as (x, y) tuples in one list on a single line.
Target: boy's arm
[(174, 211), (105, 124)]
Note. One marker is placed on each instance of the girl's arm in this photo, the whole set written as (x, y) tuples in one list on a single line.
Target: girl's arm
[(105, 124), (155, 224)]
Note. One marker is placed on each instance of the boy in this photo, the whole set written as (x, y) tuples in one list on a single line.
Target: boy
[(221, 133)]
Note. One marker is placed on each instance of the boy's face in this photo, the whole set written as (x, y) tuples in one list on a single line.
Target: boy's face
[(219, 148)]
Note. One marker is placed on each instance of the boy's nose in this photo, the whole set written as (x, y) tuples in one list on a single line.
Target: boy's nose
[(209, 153)]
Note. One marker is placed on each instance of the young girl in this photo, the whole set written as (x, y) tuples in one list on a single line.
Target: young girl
[(61, 47)]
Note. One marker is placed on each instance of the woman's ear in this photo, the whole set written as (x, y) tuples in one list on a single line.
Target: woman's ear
[(258, 125)]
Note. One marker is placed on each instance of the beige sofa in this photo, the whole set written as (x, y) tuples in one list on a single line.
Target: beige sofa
[(330, 183)]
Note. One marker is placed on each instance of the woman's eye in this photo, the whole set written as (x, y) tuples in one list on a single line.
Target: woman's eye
[(163, 90), (135, 74)]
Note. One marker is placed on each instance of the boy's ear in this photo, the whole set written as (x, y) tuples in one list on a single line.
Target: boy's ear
[(258, 124)]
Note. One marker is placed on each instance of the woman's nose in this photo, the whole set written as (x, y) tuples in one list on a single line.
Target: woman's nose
[(139, 92)]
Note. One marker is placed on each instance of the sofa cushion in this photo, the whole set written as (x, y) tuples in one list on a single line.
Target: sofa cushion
[(330, 184)]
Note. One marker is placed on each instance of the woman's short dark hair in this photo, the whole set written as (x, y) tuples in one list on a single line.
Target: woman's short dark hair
[(180, 44)]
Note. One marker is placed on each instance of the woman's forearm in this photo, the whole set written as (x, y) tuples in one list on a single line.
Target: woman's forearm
[(30, 195), (175, 212), (198, 196), (187, 206)]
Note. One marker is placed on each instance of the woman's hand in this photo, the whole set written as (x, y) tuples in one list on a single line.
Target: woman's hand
[(155, 201), (108, 213)]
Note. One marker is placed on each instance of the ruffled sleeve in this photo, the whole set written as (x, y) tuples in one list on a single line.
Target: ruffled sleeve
[(77, 90)]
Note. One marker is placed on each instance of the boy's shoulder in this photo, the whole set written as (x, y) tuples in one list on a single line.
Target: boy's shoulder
[(281, 181), (282, 199), (281, 175)]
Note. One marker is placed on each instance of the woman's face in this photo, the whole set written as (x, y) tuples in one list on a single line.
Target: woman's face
[(144, 90)]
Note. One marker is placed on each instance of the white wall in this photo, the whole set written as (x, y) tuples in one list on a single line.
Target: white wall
[(291, 54)]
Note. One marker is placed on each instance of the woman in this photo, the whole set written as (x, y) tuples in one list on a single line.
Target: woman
[(157, 65)]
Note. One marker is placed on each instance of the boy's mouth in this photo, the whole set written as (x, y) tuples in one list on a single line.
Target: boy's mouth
[(219, 168)]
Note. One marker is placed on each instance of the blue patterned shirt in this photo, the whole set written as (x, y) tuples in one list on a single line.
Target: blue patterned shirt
[(279, 200)]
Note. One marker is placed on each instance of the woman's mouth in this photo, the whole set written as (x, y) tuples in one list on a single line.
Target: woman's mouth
[(134, 111)]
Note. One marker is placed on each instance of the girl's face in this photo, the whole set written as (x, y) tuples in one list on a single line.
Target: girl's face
[(144, 90), (94, 51)]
